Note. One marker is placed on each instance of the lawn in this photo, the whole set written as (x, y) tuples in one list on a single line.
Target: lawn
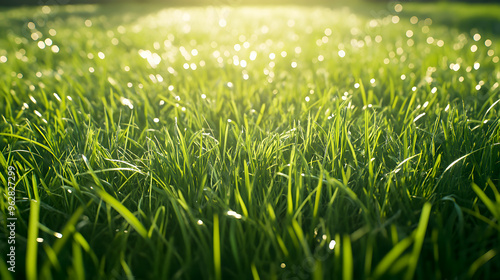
[(264, 142)]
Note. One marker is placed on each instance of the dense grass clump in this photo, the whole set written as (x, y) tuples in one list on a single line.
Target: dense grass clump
[(250, 142)]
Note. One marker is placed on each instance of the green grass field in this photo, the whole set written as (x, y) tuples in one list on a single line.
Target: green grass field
[(286, 142)]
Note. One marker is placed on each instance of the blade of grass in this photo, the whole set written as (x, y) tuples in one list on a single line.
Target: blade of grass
[(124, 212)]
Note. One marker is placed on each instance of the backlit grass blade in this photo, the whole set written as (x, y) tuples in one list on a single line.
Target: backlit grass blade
[(124, 212), (32, 244), (4, 272), (494, 208), (385, 264), (347, 259), (255, 273), (217, 249), (30, 141), (481, 261), (419, 240), (78, 267)]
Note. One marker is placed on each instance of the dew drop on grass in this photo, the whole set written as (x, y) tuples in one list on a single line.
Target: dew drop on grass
[(332, 244), (398, 8), (282, 265), (126, 102), (234, 214), (222, 22), (200, 222), (39, 240), (418, 117), (41, 45), (253, 55)]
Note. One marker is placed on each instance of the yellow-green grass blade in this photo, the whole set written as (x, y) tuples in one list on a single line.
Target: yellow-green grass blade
[(124, 212), (217, 249), (419, 240), (32, 244)]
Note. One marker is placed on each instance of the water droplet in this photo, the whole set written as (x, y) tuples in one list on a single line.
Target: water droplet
[(332, 244), (222, 22), (41, 45), (398, 8), (234, 214)]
